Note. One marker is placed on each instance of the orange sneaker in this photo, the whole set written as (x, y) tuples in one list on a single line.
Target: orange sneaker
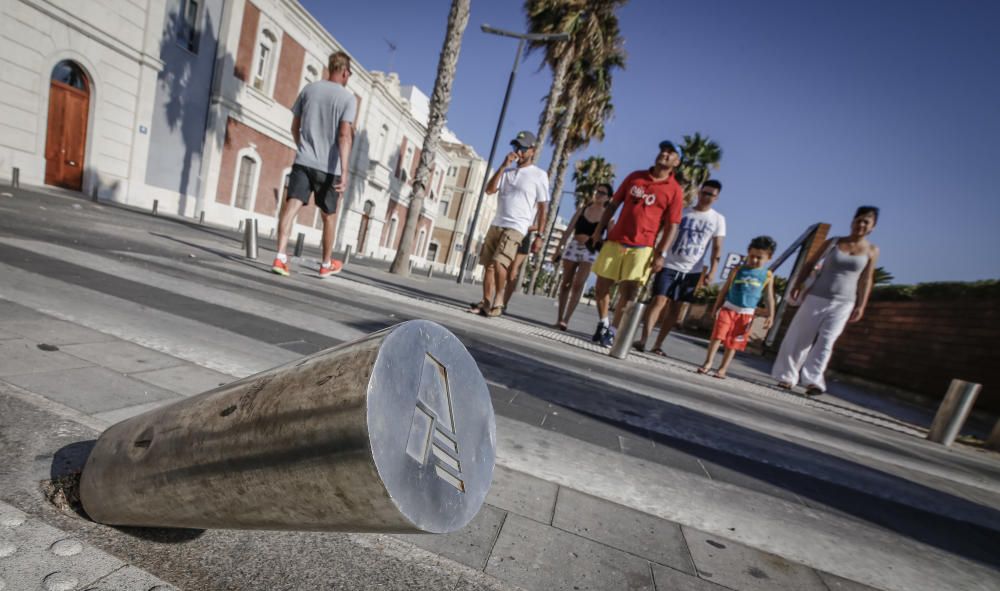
[(333, 269), (280, 268)]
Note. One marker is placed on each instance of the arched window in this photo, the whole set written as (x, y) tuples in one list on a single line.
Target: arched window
[(420, 242), (383, 136), (70, 74), (369, 207), (187, 35), (312, 74), (246, 178), (265, 61)]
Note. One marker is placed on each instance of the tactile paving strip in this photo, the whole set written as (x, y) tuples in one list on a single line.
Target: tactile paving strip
[(648, 360), (34, 555)]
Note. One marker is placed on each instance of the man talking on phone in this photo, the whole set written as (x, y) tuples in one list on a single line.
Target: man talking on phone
[(522, 196)]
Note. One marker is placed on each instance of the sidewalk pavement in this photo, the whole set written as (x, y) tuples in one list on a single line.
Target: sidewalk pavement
[(583, 497)]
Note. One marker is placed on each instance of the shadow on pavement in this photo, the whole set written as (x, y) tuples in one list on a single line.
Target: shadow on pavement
[(930, 516)]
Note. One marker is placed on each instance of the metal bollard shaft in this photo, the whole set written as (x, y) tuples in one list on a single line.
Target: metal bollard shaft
[(250, 238), (626, 333), (954, 409), (15, 178), (394, 432), (300, 244), (156, 206), (430, 271), (201, 218), (347, 254)]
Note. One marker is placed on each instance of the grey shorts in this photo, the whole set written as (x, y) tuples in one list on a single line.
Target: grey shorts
[(304, 181)]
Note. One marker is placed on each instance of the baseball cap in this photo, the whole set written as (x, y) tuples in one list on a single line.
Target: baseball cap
[(524, 139), (669, 145)]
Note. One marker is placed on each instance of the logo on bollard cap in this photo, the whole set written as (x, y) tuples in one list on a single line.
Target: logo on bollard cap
[(433, 431)]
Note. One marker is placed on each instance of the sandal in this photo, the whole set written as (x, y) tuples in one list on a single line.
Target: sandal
[(702, 371), (562, 326), (719, 377), (814, 391), (784, 386), (478, 307), (494, 312), (658, 351)]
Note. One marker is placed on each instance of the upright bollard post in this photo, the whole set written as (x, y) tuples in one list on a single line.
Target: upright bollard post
[(430, 271), (347, 254), (300, 244), (993, 442), (201, 218), (954, 409), (15, 178), (239, 227), (626, 333), (250, 238), (156, 205), (393, 432)]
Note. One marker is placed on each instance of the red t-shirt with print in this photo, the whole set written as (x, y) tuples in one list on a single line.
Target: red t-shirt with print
[(646, 204)]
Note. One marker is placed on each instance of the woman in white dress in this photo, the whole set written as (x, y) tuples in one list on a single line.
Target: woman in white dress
[(842, 273)]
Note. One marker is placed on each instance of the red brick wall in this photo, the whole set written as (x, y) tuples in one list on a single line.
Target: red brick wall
[(275, 158), (920, 346), (248, 42), (286, 86)]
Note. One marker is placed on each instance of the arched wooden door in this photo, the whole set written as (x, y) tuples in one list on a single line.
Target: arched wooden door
[(66, 137)]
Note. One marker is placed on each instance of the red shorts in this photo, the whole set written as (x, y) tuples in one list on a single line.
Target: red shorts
[(733, 329)]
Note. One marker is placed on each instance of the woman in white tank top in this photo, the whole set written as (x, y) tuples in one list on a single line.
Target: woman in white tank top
[(838, 295)]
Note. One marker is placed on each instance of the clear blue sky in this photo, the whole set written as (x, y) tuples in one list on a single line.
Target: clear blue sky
[(819, 107)]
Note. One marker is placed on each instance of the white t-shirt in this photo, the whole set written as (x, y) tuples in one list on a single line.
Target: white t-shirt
[(521, 189), (696, 231)]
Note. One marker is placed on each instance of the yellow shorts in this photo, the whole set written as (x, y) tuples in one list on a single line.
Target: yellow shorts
[(623, 263)]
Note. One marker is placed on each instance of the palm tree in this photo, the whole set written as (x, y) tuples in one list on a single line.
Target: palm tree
[(458, 18), (882, 277), (595, 49), (584, 20), (700, 155), (589, 173)]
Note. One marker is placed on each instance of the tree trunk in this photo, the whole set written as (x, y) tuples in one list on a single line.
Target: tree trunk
[(557, 174), (458, 18), (551, 102)]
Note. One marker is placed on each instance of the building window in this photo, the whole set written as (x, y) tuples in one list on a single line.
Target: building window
[(420, 241), (390, 240), (443, 208), (312, 75), (244, 183), (265, 61), (432, 252), (452, 170), (383, 136), (187, 34)]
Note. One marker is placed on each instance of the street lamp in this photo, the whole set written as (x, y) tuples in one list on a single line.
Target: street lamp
[(521, 38)]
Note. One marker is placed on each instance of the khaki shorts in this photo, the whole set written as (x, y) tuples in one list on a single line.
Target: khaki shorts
[(623, 263), (500, 246)]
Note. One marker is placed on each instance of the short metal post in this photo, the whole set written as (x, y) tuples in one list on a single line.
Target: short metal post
[(239, 227), (15, 178), (156, 205), (411, 265), (300, 244), (201, 218), (993, 442), (430, 271), (394, 432), (954, 409), (347, 254), (93, 192), (626, 332), (250, 238)]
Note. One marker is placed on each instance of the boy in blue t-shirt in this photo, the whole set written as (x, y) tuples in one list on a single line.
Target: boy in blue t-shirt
[(736, 304)]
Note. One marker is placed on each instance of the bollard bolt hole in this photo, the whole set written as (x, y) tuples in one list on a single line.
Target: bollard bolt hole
[(228, 411), (143, 443)]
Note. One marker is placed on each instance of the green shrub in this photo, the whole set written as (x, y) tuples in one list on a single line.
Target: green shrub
[(937, 290)]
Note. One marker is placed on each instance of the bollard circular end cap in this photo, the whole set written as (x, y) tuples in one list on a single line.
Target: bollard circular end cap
[(431, 425)]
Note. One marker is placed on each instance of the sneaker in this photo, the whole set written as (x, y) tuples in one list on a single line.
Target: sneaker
[(279, 267), (608, 338), (599, 333), (333, 269)]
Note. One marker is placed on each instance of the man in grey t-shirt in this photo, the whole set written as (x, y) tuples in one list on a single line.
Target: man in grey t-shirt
[(323, 131)]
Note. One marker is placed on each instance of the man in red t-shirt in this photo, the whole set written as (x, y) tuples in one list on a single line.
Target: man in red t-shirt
[(651, 202)]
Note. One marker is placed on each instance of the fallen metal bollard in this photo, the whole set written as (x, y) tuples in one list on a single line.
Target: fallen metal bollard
[(954, 409), (394, 432), (300, 244), (250, 238), (626, 334)]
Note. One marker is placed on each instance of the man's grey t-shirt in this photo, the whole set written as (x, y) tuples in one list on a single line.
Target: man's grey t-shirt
[(322, 106)]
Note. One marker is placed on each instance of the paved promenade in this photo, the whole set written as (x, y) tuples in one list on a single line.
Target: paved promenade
[(611, 475)]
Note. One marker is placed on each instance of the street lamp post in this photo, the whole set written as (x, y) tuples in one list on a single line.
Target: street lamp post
[(521, 37)]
